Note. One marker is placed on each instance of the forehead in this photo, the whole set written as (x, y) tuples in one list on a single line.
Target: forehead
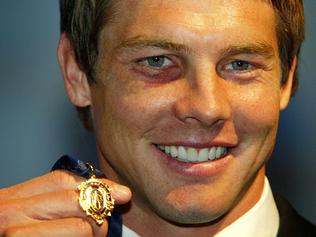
[(185, 20), (187, 11)]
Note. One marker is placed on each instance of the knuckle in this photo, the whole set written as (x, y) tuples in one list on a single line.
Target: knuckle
[(83, 226), (4, 193), (72, 196), (13, 232), (3, 214), (101, 231), (64, 179), (7, 210)]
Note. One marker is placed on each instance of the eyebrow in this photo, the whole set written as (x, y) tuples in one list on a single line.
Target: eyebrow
[(140, 42), (260, 48)]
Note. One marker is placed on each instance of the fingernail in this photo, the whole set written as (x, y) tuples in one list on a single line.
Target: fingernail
[(121, 190)]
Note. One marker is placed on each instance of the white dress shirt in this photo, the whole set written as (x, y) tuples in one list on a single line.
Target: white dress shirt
[(262, 220)]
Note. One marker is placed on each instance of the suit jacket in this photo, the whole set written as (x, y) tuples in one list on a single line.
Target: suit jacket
[(291, 223)]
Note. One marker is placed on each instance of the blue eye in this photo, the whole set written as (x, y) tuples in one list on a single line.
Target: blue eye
[(160, 68), (240, 65), (156, 61)]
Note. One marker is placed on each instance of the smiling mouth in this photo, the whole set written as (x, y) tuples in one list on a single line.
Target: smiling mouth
[(191, 154)]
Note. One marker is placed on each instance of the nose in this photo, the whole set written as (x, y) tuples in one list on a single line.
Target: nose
[(204, 101)]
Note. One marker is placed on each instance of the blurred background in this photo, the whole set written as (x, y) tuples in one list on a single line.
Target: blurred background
[(38, 124)]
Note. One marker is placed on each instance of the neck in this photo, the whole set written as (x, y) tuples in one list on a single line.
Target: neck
[(147, 223)]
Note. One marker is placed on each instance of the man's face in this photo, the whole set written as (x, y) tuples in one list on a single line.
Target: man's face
[(187, 101)]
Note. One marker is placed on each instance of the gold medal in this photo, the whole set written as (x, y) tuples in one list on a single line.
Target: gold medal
[(95, 198)]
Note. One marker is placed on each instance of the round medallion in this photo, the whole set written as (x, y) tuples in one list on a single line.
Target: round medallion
[(95, 199)]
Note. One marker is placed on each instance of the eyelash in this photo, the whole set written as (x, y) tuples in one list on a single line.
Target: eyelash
[(249, 66), (236, 62), (145, 61), (167, 68), (228, 71)]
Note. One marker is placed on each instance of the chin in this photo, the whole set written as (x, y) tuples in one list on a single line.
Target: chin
[(192, 211), (190, 216)]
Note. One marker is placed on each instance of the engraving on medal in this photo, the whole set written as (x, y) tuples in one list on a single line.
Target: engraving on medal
[(95, 199)]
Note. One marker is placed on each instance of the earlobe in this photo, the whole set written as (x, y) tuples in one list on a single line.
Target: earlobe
[(286, 89), (75, 80)]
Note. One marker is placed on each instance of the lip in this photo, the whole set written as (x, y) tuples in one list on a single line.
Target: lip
[(206, 168)]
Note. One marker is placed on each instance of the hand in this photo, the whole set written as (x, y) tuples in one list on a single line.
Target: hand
[(48, 206)]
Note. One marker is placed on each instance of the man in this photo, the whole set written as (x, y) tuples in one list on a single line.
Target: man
[(184, 99)]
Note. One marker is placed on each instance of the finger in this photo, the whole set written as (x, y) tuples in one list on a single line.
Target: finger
[(18, 215), (55, 205), (57, 181), (51, 182), (120, 193), (46, 206), (100, 230), (68, 227)]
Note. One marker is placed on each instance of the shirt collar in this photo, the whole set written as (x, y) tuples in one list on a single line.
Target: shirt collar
[(262, 220), (127, 232)]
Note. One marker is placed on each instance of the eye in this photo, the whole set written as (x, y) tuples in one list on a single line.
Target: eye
[(240, 69), (161, 68), (157, 61), (238, 65)]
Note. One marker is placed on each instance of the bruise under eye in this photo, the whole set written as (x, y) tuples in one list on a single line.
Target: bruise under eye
[(158, 68)]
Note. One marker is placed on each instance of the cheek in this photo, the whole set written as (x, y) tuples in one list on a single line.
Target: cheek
[(132, 107), (257, 111)]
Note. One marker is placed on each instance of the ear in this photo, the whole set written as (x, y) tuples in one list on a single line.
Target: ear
[(75, 80), (286, 89)]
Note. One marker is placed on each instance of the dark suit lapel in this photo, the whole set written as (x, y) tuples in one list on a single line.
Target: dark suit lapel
[(291, 223)]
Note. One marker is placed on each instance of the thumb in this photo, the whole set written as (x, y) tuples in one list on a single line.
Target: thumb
[(121, 194)]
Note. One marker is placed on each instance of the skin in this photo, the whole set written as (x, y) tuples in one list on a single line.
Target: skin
[(218, 85)]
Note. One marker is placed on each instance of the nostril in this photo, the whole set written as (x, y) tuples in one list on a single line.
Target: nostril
[(195, 111)]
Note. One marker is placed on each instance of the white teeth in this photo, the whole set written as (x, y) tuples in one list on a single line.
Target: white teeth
[(211, 154), (190, 154), (174, 151), (225, 150), (182, 153), (167, 150), (161, 147), (219, 152), (203, 154)]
